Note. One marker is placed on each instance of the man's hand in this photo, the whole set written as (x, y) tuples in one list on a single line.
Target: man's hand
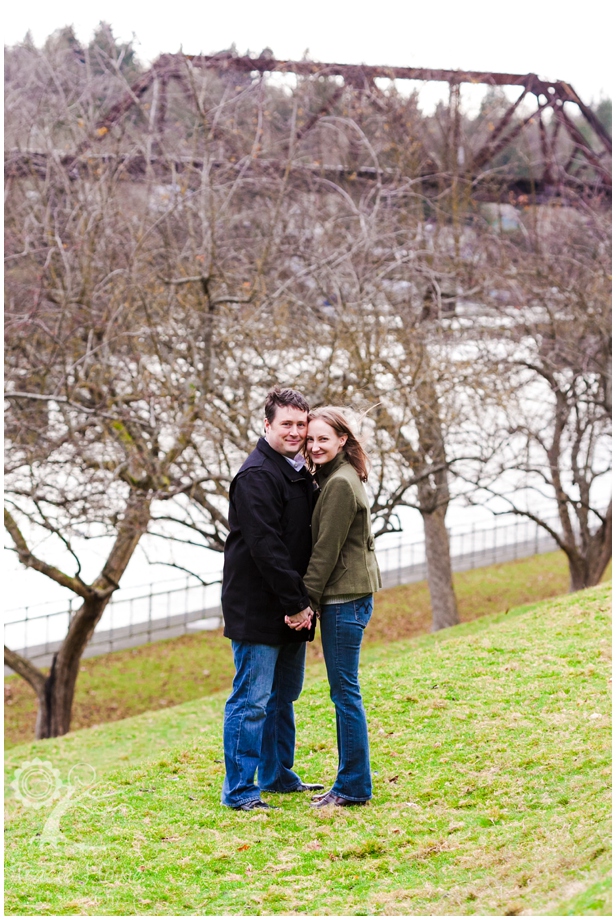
[(301, 620)]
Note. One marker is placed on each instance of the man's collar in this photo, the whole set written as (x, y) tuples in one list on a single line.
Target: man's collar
[(297, 462), (287, 468)]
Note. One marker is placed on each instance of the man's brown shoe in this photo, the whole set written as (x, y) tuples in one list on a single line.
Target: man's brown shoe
[(332, 799)]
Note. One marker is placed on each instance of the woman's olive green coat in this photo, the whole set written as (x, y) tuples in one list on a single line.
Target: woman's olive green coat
[(343, 561)]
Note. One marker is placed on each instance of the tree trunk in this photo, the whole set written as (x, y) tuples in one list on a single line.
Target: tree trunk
[(588, 562), (56, 694), (578, 575), (43, 726), (440, 582), (586, 572), (601, 549), (429, 464), (55, 702)]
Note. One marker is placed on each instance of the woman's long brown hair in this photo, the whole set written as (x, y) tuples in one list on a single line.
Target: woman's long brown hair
[(353, 450)]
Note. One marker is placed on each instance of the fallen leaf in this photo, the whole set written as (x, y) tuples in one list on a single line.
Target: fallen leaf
[(245, 846)]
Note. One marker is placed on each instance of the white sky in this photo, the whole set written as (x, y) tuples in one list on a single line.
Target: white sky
[(558, 40)]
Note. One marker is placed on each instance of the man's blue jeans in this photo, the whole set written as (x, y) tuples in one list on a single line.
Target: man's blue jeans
[(259, 724), (342, 629)]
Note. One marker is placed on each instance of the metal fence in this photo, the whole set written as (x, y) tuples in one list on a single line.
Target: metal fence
[(470, 548), (147, 614)]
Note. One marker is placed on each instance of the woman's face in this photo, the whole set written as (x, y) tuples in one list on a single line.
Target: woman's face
[(323, 443)]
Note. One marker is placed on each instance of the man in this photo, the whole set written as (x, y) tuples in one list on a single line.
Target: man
[(266, 554)]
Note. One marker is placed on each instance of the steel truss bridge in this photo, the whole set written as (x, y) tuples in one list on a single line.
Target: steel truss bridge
[(585, 175)]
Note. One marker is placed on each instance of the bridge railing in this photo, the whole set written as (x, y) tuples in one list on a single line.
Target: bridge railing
[(136, 616)]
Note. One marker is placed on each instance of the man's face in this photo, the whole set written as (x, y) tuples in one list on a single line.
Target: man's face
[(287, 432)]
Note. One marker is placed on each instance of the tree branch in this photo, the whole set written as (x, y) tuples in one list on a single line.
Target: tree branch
[(31, 561), (17, 394), (25, 669)]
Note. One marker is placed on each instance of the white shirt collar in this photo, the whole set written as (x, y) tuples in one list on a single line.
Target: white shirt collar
[(296, 462)]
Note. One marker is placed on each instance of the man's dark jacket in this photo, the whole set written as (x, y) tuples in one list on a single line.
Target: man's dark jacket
[(268, 549)]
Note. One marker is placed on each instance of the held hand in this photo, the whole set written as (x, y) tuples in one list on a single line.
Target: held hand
[(301, 620), (296, 624)]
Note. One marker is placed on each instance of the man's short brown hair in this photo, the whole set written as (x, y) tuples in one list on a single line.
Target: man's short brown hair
[(277, 397)]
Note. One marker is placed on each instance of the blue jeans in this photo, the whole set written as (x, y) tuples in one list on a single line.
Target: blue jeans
[(259, 724), (342, 629)]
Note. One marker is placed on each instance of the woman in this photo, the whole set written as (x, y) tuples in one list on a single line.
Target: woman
[(342, 576)]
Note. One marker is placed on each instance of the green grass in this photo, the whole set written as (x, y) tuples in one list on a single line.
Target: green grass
[(164, 674), (490, 744)]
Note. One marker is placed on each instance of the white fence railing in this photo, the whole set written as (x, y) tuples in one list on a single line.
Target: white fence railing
[(136, 616)]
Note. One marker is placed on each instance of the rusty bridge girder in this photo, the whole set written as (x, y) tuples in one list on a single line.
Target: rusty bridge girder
[(549, 95)]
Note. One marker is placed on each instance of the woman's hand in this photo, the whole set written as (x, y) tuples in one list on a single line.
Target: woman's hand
[(301, 620)]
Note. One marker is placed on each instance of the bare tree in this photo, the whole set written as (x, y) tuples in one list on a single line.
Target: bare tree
[(375, 290), (547, 370), (137, 314)]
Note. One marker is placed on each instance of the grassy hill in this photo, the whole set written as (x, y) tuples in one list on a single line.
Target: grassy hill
[(163, 674), (490, 747)]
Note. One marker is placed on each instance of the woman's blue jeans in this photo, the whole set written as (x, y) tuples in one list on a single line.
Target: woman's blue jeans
[(342, 630), (259, 723)]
